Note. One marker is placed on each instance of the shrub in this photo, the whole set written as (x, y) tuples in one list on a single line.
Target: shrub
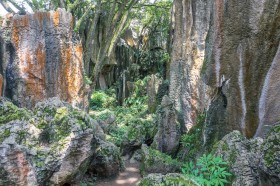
[(101, 99), (209, 170)]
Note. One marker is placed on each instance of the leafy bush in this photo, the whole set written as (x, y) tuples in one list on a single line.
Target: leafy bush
[(209, 170), (133, 123), (101, 99), (117, 135), (135, 101)]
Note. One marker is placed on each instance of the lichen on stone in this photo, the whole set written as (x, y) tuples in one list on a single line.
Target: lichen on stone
[(10, 112), (167, 180), (154, 161)]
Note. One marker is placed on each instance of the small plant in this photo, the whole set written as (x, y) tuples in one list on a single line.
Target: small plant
[(192, 141), (100, 99), (209, 170)]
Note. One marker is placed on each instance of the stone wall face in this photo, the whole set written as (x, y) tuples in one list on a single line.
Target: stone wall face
[(190, 28), (41, 58), (1, 84), (235, 47)]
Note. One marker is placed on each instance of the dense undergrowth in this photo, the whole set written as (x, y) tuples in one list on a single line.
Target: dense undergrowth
[(132, 124)]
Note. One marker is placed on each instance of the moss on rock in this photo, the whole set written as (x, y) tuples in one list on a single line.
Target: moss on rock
[(271, 150), (167, 180), (10, 112), (153, 161)]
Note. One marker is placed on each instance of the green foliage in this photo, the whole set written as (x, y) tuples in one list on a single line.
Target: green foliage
[(133, 122), (153, 161), (209, 170), (192, 141), (101, 99), (87, 80), (5, 134), (116, 134), (167, 180), (166, 159), (10, 112)]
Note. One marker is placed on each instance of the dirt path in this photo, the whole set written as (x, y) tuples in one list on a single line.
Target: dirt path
[(130, 177)]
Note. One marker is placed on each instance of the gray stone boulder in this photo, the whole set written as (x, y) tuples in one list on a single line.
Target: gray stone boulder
[(169, 130), (254, 161), (243, 157), (167, 180), (54, 144), (106, 161), (270, 158), (153, 161)]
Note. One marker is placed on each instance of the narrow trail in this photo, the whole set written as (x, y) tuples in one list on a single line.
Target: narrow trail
[(130, 177)]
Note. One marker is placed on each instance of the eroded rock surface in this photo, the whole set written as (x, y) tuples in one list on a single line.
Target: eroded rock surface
[(169, 130), (53, 144), (153, 161), (1, 84), (41, 58), (190, 25), (227, 51), (253, 162), (168, 179), (243, 57)]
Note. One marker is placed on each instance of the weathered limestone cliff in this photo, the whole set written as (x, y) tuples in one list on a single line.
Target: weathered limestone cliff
[(233, 48), (41, 58), (1, 84), (190, 28)]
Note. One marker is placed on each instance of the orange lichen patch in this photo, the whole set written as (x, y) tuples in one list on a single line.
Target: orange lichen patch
[(65, 76), (40, 17), (56, 18), (72, 77), (24, 21), (79, 51), (32, 66), (15, 34), (1, 84), (19, 23)]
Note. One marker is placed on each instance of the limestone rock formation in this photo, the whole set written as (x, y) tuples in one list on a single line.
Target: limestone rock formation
[(242, 60), (106, 161), (152, 91), (169, 131), (53, 144), (1, 84), (41, 58), (153, 161), (168, 179), (270, 158), (227, 51), (190, 27), (253, 162)]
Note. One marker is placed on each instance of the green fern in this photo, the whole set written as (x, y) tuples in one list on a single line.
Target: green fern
[(209, 170)]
